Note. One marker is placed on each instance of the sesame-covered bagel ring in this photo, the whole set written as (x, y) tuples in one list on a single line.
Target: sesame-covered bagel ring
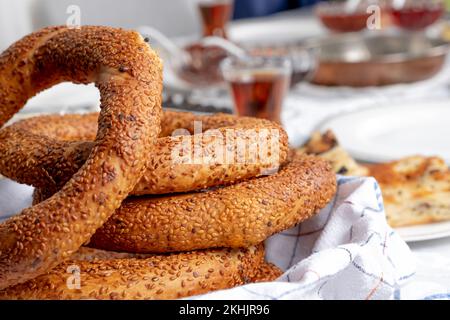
[(128, 75), (263, 272), (253, 146), (235, 216), (154, 277)]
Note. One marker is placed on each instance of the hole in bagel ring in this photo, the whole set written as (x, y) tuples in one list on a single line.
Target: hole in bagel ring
[(128, 75)]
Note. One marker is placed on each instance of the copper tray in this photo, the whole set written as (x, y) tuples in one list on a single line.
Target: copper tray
[(367, 59)]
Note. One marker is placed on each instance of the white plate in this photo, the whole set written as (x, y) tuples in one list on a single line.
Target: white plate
[(425, 232), (389, 133)]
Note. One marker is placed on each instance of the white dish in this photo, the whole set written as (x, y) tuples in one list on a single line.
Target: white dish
[(389, 133), (425, 232)]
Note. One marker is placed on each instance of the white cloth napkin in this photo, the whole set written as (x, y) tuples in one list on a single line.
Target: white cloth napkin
[(346, 252)]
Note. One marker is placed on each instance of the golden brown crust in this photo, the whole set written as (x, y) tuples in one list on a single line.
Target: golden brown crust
[(234, 216), (50, 162), (92, 254), (128, 75), (267, 272), (416, 190), (156, 277), (327, 147), (409, 170), (320, 143)]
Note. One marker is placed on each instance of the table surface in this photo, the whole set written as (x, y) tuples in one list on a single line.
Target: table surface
[(307, 106), (432, 279)]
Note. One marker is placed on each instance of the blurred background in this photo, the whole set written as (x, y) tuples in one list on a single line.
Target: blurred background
[(339, 56), (173, 18), (342, 55)]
